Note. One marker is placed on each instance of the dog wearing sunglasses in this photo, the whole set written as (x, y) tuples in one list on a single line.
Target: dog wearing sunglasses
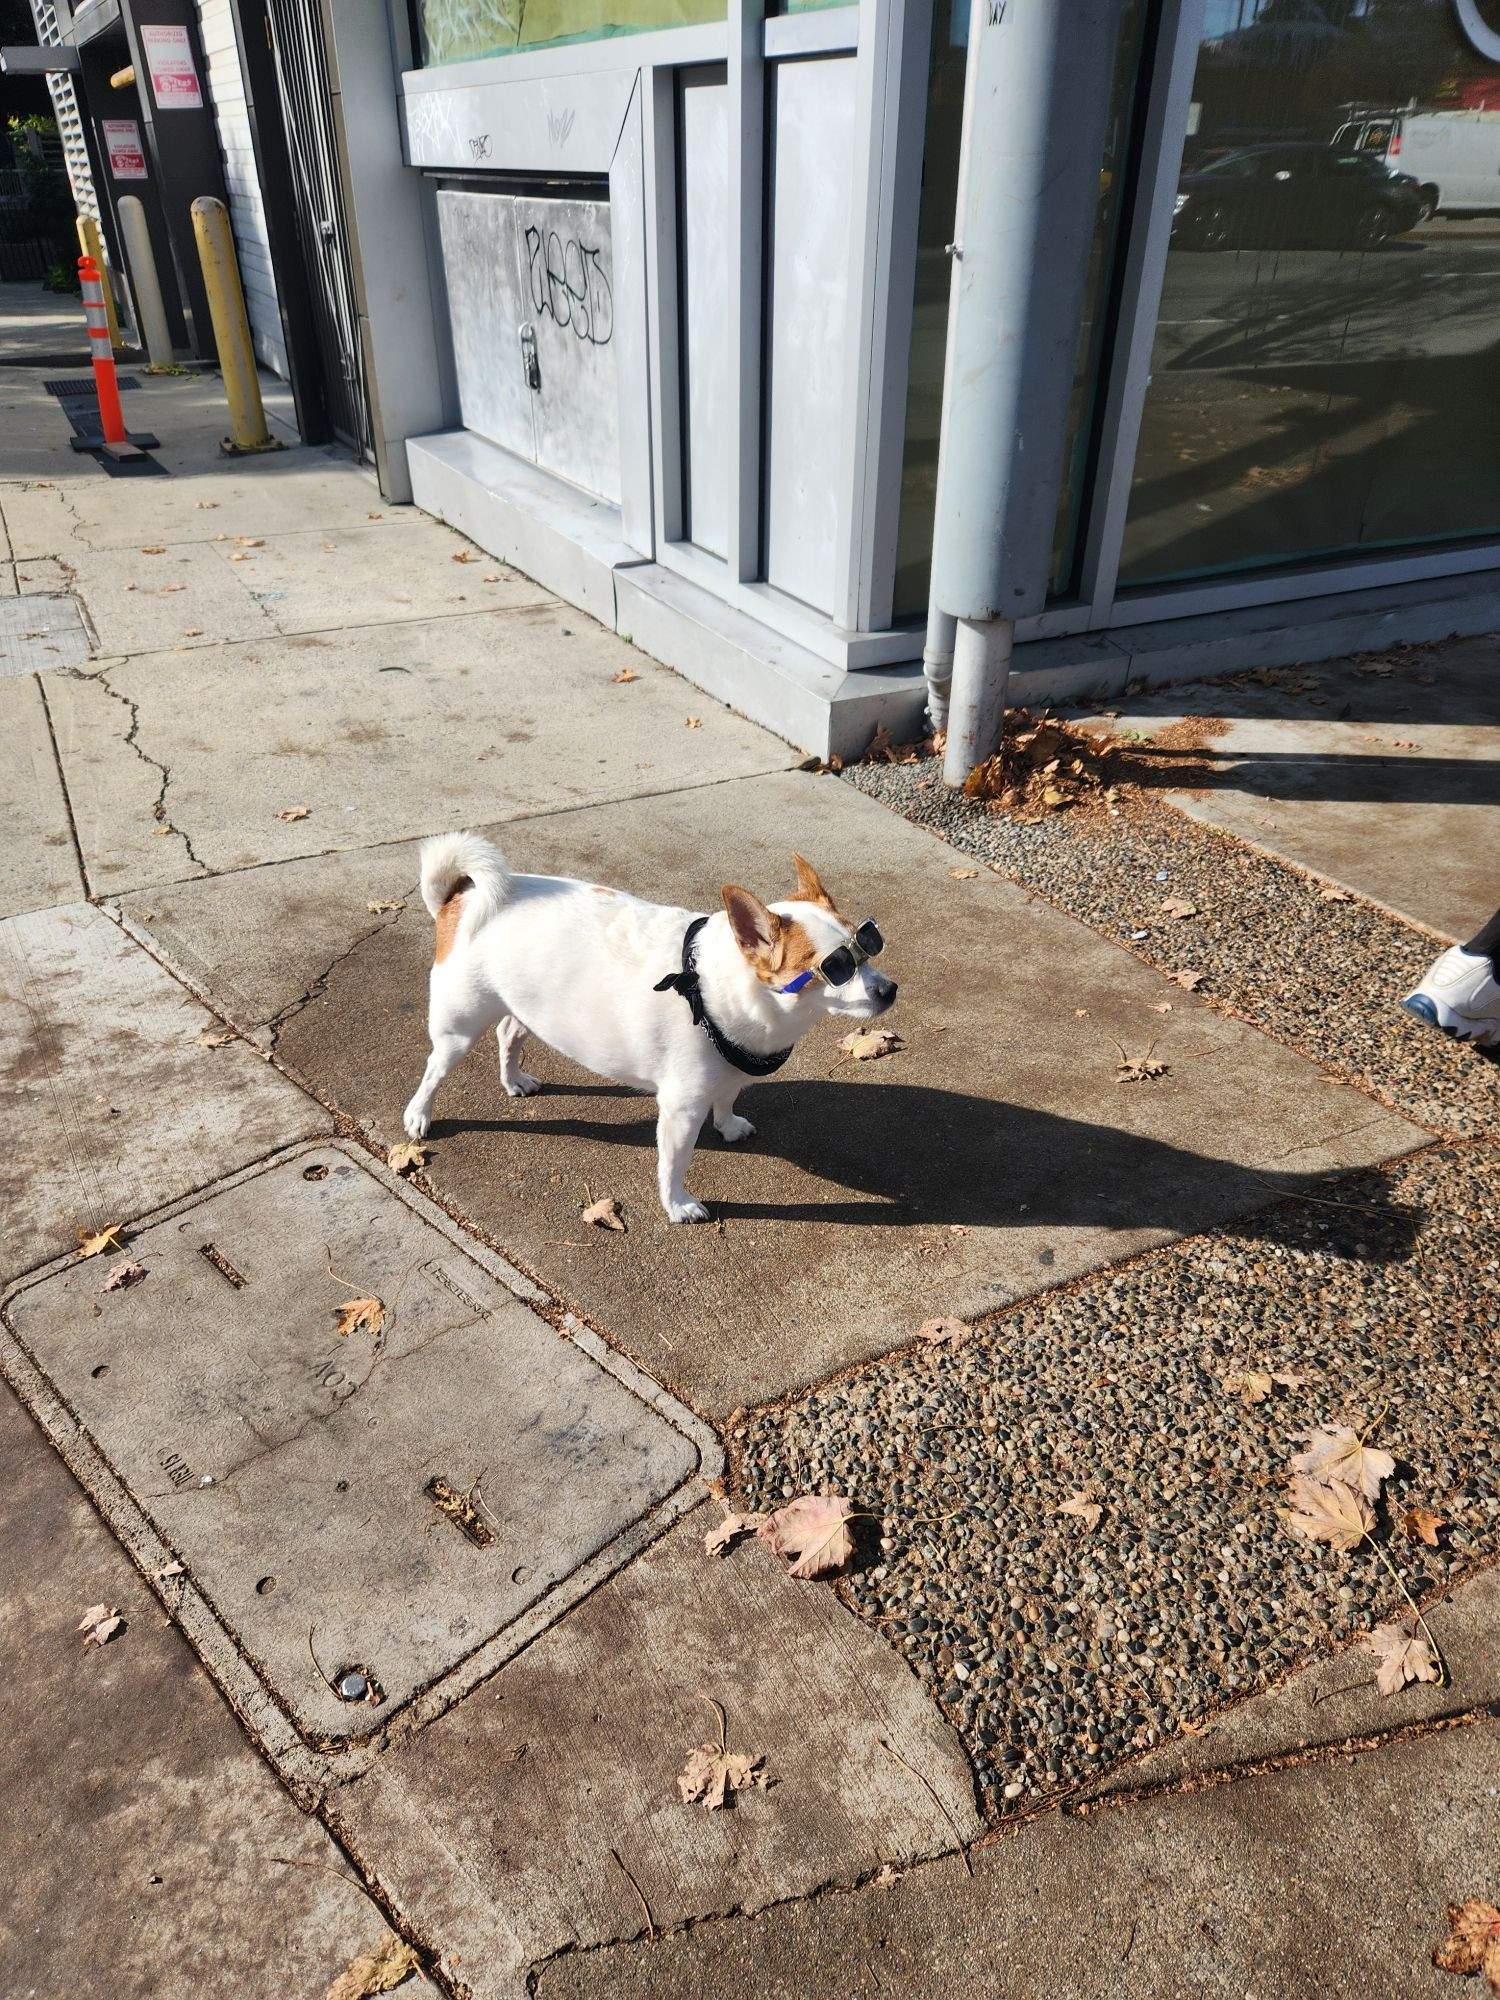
[(686, 1007)]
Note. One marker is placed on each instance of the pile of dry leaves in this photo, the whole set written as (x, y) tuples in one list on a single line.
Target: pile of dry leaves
[(1044, 765)]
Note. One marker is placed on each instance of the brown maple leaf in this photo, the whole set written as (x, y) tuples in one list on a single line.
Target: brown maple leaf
[(625, 676), (376, 1971), (810, 1533), (359, 1315), (1334, 896), (1337, 1455), (379, 908), (1473, 1942), (1178, 907), (1253, 1385), (1188, 981), (124, 1275), (407, 1157), (1138, 1069), (944, 1332), (1080, 1507), (711, 1774), (1404, 1656), (605, 1214), (1335, 1513), (291, 813), (107, 1239), (215, 1038), (722, 1538), (868, 1044), (964, 874), (1422, 1525)]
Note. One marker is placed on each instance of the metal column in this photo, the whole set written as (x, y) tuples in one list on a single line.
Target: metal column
[(1036, 104)]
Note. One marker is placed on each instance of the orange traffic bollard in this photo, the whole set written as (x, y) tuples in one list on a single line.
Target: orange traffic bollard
[(113, 437), (111, 416)]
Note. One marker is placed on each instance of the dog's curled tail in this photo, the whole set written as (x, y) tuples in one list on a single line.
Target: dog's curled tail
[(451, 861)]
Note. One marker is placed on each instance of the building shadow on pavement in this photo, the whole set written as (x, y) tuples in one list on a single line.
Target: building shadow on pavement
[(914, 1156)]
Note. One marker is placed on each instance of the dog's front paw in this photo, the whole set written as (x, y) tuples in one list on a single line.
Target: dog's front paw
[(686, 1211), (522, 1085), (415, 1120), (734, 1129)]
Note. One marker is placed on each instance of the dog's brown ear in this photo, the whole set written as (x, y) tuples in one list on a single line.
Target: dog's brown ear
[(757, 930), (809, 888)]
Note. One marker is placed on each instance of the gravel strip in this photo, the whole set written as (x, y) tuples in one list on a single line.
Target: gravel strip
[(1322, 977), (1057, 1651)]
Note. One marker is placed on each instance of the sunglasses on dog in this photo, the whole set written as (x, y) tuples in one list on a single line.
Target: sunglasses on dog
[(841, 964)]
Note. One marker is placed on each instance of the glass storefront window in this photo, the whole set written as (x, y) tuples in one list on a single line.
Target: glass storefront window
[(460, 30), (924, 396), (1322, 378)]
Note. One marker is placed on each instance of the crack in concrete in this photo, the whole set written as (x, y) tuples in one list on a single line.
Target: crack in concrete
[(62, 779), (131, 739), (318, 984)]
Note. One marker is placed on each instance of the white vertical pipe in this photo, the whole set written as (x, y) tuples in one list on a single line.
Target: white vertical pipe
[(150, 311)]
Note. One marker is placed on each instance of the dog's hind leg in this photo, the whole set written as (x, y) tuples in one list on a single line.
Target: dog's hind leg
[(449, 1046), (512, 1039), (677, 1128), (730, 1127)]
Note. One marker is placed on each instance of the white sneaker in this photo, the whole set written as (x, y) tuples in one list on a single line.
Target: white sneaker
[(1460, 995)]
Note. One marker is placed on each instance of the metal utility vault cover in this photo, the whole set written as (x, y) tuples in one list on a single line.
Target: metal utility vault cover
[(305, 1479), (39, 632)]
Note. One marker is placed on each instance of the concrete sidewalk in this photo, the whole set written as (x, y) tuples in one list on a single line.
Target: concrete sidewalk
[(212, 1002)]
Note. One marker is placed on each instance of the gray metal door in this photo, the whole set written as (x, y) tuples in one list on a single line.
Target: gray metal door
[(317, 194)]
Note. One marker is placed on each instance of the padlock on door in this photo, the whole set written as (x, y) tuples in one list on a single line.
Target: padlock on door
[(528, 358)]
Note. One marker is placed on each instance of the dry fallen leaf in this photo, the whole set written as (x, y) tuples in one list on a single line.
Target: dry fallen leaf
[(359, 1315), (1082, 1508), (378, 909), (1334, 1514), (290, 813), (1404, 1656), (1334, 896), (711, 1774), (625, 674), (1473, 1942), (1178, 907), (99, 1624), (153, 549), (811, 1533), (250, 541), (693, 722), (1338, 1456), (866, 1044), (1188, 981), (718, 1540), (215, 1038), (406, 1157), (1422, 1525), (963, 874), (1138, 1069), (938, 1332), (463, 555), (605, 1214), (375, 1971), (1253, 1385), (124, 1275), (107, 1239)]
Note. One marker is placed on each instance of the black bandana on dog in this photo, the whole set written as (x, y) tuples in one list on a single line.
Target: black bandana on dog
[(686, 983)]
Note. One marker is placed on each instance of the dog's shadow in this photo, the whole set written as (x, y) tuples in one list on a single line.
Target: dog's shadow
[(913, 1156)]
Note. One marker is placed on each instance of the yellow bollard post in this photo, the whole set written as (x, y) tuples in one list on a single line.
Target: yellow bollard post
[(91, 246), (226, 304)]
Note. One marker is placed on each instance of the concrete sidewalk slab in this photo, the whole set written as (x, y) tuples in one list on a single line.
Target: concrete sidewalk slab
[(147, 1851), (1381, 773), (112, 1104), (994, 1157), (1324, 1883), (186, 594), (382, 734), (37, 864), (536, 1816), (291, 1469), (307, 488)]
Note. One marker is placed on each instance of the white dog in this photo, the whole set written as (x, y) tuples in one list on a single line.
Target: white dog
[(582, 967)]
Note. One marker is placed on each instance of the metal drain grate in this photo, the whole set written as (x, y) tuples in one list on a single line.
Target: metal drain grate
[(67, 387)]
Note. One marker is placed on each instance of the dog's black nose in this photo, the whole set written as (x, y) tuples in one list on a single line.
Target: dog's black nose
[(884, 990)]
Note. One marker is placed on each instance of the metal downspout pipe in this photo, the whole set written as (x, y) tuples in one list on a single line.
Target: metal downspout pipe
[(1036, 106)]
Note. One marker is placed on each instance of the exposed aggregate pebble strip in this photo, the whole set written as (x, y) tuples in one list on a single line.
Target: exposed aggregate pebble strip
[(1056, 1651), (1320, 976)]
